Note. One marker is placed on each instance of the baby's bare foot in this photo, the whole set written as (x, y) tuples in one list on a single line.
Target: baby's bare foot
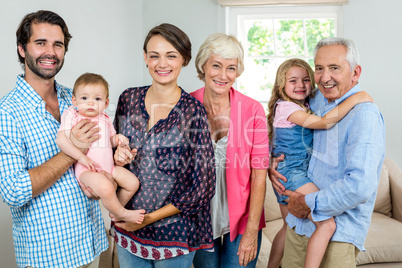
[(136, 216)]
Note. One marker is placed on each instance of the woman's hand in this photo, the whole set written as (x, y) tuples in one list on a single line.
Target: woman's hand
[(247, 251), (124, 155), (130, 226), (274, 176), (83, 134)]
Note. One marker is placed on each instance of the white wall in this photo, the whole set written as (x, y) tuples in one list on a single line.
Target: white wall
[(375, 26), (197, 18), (108, 38)]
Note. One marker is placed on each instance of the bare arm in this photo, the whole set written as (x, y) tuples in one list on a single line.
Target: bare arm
[(248, 244), (163, 212), (119, 139), (311, 121), (45, 175), (67, 146)]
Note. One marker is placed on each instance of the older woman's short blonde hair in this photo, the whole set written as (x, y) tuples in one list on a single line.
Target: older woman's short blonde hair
[(222, 45)]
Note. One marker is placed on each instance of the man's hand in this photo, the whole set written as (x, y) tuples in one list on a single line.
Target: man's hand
[(297, 205), (83, 134), (247, 248), (275, 176)]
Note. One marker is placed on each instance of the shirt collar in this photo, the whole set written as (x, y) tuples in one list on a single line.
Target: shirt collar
[(29, 94), (32, 97)]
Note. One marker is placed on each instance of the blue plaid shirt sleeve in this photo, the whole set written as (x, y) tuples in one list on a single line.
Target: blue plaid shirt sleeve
[(16, 188)]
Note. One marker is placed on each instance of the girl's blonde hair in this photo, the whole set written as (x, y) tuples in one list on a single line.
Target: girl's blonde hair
[(278, 91)]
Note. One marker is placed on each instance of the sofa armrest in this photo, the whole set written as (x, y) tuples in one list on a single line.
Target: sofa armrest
[(395, 179)]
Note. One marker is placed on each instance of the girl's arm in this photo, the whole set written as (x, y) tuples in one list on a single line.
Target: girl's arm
[(311, 121)]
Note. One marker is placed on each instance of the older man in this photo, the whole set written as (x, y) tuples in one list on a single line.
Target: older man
[(345, 164), (54, 223)]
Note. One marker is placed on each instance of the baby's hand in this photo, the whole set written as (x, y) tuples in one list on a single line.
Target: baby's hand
[(134, 152), (124, 155), (121, 140), (363, 96), (91, 165)]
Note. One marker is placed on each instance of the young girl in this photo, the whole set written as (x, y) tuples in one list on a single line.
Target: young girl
[(90, 98), (290, 129)]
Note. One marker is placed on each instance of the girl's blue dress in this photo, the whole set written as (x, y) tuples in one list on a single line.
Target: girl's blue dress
[(296, 144)]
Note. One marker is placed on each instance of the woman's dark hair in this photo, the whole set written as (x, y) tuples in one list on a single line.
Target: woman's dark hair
[(24, 31), (176, 37)]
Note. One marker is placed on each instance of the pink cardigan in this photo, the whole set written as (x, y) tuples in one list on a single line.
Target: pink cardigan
[(247, 149)]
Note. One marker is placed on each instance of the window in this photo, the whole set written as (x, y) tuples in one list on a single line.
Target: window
[(270, 35)]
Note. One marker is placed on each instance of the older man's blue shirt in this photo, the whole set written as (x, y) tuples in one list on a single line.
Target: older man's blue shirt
[(345, 165)]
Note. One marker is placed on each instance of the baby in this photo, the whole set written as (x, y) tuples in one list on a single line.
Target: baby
[(90, 98)]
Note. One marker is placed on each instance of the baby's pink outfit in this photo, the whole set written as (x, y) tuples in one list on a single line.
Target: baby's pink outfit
[(100, 150)]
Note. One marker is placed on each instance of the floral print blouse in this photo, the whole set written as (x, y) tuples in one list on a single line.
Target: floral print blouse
[(175, 165)]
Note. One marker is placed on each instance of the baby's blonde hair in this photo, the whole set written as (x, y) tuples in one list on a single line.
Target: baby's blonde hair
[(91, 79)]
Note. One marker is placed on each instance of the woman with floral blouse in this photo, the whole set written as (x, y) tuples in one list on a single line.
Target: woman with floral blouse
[(171, 154)]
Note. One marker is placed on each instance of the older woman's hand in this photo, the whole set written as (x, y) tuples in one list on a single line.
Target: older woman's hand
[(124, 155), (275, 176), (247, 251)]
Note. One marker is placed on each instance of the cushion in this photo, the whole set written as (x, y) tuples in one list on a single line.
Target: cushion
[(383, 242), (271, 206), (272, 229), (263, 256), (383, 200), (395, 180)]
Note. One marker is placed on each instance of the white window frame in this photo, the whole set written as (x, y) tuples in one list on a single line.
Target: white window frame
[(235, 15)]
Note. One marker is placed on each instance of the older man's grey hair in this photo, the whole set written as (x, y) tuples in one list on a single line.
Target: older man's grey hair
[(352, 54)]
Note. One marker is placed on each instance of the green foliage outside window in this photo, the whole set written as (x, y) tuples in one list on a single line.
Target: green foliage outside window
[(272, 41)]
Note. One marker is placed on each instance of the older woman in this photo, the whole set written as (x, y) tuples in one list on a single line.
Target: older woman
[(239, 133), (168, 130)]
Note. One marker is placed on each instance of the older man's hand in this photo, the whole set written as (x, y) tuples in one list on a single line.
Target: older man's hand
[(297, 205), (274, 176)]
